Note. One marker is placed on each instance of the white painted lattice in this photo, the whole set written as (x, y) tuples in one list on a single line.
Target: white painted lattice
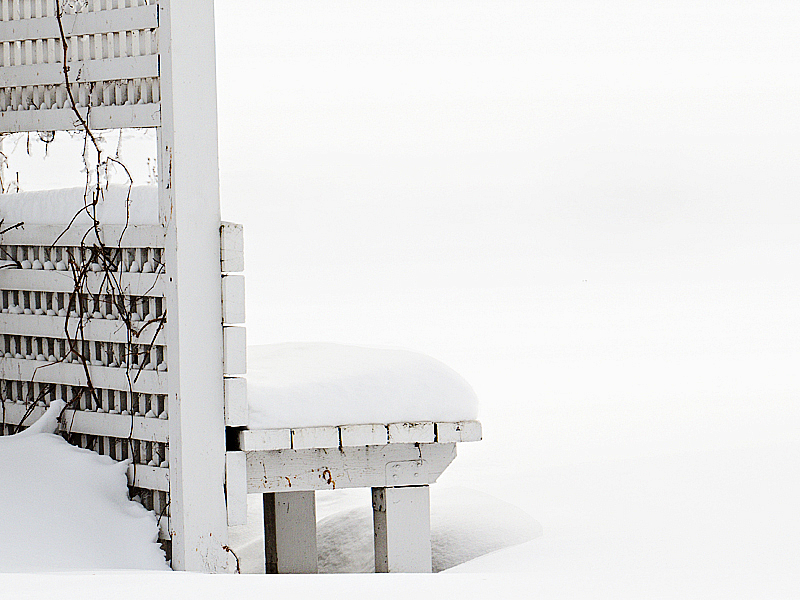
[(112, 58), (119, 399), (151, 319)]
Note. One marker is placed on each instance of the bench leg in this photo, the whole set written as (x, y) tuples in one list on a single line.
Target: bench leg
[(402, 522), (290, 532)]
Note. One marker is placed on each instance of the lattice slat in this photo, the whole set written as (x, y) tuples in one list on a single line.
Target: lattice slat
[(116, 322), (113, 66), (120, 20)]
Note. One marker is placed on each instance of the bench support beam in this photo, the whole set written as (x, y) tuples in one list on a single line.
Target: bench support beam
[(402, 525), (290, 532)]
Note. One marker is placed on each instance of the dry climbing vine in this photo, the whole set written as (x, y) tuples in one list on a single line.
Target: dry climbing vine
[(96, 257), (93, 263)]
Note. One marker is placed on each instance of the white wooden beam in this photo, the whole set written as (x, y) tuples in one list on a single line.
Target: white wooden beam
[(236, 488), (63, 119), (290, 532), (402, 527), (113, 378), (189, 210), (117, 236), (315, 437), (234, 352), (99, 330), (462, 431), (104, 21), (117, 426), (411, 433), (93, 423), (265, 439), (364, 435), (236, 409), (85, 71), (233, 299), (151, 478), (374, 434), (327, 469), (232, 247), (135, 284)]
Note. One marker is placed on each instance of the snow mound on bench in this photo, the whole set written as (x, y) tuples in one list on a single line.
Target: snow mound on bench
[(58, 207), (310, 385), (64, 508)]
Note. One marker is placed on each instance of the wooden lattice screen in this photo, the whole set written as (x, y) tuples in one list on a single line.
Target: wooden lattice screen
[(125, 414), (154, 392)]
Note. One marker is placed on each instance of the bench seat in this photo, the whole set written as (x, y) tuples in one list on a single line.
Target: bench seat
[(397, 459)]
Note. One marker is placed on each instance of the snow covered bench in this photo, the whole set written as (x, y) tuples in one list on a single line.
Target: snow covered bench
[(327, 416), (134, 320), (307, 417)]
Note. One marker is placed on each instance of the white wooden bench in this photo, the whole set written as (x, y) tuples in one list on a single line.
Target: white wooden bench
[(397, 460), (166, 393)]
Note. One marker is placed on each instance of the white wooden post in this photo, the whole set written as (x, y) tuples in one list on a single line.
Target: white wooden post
[(402, 527), (290, 532), (189, 210)]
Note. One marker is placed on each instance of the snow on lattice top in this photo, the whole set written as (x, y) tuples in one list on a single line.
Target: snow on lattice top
[(312, 385), (58, 207)]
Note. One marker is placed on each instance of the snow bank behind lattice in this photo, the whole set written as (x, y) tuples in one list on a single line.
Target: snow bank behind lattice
[(57, 207), (309, 385), (64, 508)]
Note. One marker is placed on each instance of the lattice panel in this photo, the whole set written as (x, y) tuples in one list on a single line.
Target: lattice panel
[(112, 58), (115, 322)]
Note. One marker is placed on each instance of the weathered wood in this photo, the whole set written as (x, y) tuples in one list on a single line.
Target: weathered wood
[(236, 410), (290, 532), (364, 435), (99, 330), (462, 431), (112, 378), (326, 469), (374, 434), (115, 236), (411, 433), (86, 71), (233, 299), (151, 478), (236, 488), (315, 437), (63, 119), (232, 247), (402, 527), (265, 439), (146, 429), (130, 284), (234, 353), (117, 426), (106, 21), (190, 211)]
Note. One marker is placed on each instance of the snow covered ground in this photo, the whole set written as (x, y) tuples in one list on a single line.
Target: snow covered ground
[(588, 210), (65, 508)]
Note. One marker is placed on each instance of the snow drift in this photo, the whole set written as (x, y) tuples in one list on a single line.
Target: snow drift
[(465, 524), (64, 508)]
